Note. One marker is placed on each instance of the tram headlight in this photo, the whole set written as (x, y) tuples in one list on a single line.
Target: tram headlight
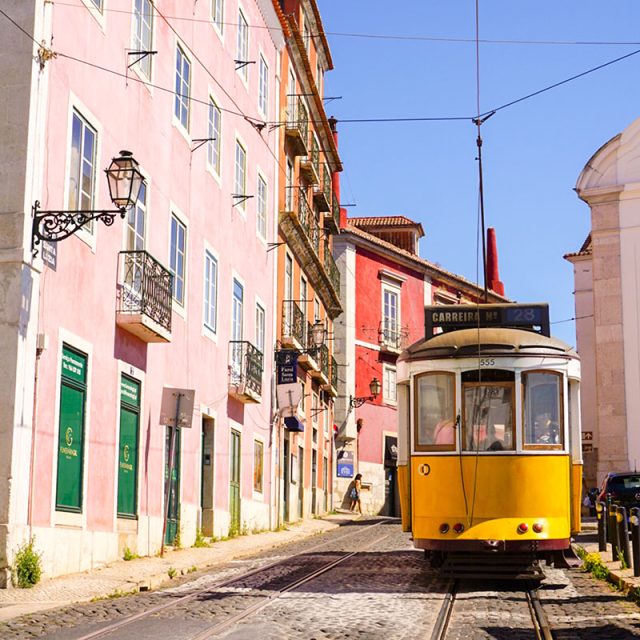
[(538, 527), (458, 527), (444, 528), (599, 506), (523, 527)]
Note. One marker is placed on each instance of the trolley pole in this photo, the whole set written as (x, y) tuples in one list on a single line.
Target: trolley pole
[(601, 515), (635, 540)]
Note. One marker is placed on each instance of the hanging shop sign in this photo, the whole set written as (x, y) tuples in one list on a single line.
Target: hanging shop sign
[(344, 467)]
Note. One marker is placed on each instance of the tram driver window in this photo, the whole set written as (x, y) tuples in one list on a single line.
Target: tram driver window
[(435, 412), (488, 417), (543, 410)]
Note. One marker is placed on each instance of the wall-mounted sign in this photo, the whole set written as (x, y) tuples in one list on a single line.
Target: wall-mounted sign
[(587, 436), (287, 366), (344, 467), (170, 403), (49, 254)]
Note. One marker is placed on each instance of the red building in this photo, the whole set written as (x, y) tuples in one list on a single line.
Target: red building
[(385, 286)]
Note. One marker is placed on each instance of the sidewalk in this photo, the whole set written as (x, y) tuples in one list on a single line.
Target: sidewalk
[(142, 574)]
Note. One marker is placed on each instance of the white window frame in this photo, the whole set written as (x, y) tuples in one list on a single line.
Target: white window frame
[(214, 147), (210, 285), (180, 219), (218, 20), (315, 408), (262, 206), (257, 493), (242, 45), (263, 86), (138, 24), (99, 14), (392, 290), (261, 326), (389, 391), (240, 187), (181, 103)]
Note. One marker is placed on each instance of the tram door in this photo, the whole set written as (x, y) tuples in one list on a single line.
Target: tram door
[(391, 497), (234, 483)]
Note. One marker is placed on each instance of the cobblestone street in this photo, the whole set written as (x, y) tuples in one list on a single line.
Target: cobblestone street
[(384, 592)]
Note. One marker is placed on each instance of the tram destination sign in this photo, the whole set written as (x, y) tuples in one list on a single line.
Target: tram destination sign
[(452, 317)]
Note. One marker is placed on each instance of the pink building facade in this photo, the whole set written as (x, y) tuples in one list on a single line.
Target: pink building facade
[(179, 294)]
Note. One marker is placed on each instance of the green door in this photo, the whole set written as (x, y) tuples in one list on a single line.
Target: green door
[(73, 388), (234, 483), (173, 517), (128, 448)]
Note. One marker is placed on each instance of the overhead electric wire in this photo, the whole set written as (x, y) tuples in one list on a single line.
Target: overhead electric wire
[(384, 36)]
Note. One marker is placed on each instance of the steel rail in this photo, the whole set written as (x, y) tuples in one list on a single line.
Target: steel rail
[(444, 615), (538, 615), (190, 596), (216, 629)]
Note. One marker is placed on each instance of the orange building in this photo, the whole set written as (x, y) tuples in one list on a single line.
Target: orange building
[(308, 291)]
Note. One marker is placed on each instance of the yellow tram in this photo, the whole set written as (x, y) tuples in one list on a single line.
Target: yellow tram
[(489, 449)]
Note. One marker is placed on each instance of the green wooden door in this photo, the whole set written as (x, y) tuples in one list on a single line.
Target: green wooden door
[(71, 430), (234, 483), (173, 517), (128, 447)]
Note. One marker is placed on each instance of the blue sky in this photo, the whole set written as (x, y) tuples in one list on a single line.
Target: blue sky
[(533, 152)]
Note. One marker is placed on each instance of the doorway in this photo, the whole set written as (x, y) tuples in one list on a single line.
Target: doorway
[(314, 481), (234, 483), (173, 511), (300, 482), (206, 477), (286, 477)]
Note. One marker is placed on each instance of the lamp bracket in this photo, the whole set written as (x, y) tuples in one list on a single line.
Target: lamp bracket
[(56, 225), (358, 402)]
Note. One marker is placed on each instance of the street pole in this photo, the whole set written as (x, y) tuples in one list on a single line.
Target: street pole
[(167, 493)]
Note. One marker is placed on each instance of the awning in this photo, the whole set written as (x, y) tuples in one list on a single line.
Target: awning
[(293, 424)]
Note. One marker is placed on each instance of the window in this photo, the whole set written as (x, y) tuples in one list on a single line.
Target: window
[(177, 259), (237, 304), (289, 186), (258, 457), (543, 410), (143, 34), (319, 79), (210, 291), (241, 173), (261, 208), (390, 317), (213, 147), (315, 401), (136, 221), (99, 4), (303, 301), (73, 397), (82, 166), (263, 86), (217, 15), (128, 447), (316, 309), (487, 416), (389, 393), (183, 84), (260, 324), (242, 49), (291, 98), (306, 37), (435, 411)]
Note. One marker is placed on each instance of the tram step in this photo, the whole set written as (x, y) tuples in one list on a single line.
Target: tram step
[(483, 566)]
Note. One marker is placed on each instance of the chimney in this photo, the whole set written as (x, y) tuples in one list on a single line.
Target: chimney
[(335, 176), (493, 277)]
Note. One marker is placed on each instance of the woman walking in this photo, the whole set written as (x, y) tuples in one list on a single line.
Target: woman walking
[(355, 494)]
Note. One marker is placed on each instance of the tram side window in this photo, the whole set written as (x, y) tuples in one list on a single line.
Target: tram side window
[(488, 417), (543, 410), (435, 412)]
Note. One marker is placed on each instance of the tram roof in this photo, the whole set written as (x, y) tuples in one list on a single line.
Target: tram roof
[(492, 340)]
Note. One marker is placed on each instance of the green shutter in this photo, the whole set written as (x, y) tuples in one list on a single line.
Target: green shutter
[(128, 447), (71, 430)]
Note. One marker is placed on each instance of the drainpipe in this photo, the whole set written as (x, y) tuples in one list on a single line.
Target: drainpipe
[(335, 176)]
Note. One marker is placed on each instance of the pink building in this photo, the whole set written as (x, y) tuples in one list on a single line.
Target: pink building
[(385, 287), (179, 294)]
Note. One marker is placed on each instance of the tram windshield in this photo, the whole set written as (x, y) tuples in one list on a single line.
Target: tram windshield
[(488, 417), (543, 410), (435, 412)]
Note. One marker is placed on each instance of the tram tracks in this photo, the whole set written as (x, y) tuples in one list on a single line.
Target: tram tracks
[(539, 620), (126, 627)]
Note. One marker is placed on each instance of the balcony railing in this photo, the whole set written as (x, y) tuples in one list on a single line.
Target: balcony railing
[(297, 127), (322, 191), (310, 164), (323, 360), (144, 297), (390, 336), (245, 371), (334, 373), (331, 268), (293, 325)]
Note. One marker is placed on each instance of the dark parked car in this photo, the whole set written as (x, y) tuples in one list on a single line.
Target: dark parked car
[(624, 489)]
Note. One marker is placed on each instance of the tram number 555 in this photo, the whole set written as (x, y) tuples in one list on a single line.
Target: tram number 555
[(487, 362)]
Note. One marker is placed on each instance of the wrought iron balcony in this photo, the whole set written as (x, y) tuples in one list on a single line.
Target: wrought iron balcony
[(294, 326), (297, 126), (309, 358), (331, 387), (390, 336), (144, 296), (245, 371), (331, 268), (310, 164), (322, 192)]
